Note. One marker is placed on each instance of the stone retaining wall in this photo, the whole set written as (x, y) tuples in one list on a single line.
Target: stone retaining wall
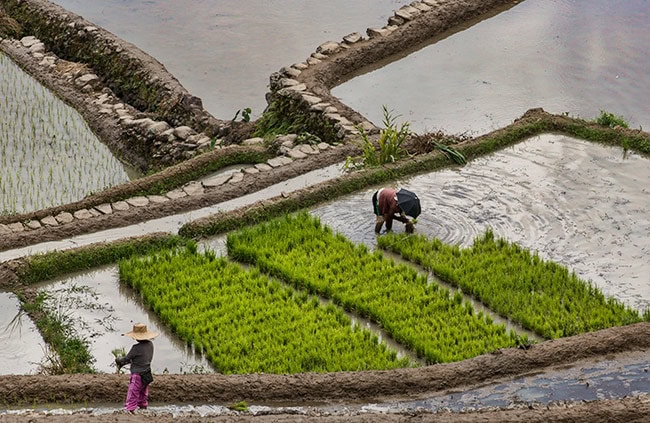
[(305, 86), (133, 75)]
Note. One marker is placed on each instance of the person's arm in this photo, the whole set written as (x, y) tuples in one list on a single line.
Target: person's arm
[(401, 218), (121, 361)]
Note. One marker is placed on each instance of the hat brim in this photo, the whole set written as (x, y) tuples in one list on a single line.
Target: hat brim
[(141, 336)]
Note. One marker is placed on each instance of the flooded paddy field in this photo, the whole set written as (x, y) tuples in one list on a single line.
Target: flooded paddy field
[(101, 309), (221, 50), (48, 154), (560, 55), (577, 203), (551, 194)]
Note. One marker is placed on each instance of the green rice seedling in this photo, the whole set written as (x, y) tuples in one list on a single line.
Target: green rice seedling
[(245, 322), (41, 135), (542, 296), (426, 318)]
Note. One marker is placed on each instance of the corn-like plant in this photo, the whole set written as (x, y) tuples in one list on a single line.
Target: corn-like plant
[(389, 146)]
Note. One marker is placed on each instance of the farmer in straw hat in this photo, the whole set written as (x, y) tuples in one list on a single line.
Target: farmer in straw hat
[(139, 357)]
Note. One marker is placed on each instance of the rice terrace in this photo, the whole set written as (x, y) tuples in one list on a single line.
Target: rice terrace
[(208, 171)]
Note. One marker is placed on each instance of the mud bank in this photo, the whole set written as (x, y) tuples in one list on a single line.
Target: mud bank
[(332, 387)]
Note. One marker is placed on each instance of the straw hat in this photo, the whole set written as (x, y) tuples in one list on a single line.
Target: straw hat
[(140, 333)]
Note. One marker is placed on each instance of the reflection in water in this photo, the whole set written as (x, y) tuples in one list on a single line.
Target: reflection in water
[(102, 309), (22, 346), (563, 55), (576, 203)]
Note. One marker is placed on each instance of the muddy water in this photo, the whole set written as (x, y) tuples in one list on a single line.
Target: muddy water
[(101, 309), (22, 346), (562, 55), (576, 203), (224, 50)]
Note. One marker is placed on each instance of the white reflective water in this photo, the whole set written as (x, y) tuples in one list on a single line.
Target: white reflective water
[(100, 310), (22, 346), (223, 51), (562, 55)]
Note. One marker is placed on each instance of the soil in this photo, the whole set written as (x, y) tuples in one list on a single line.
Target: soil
[(303, 390), (333, 388)]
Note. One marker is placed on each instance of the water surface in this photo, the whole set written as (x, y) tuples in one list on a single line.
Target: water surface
[(224, 51), (22, 346), (48, 154), (577, 203), (101, 309), (566, 56)]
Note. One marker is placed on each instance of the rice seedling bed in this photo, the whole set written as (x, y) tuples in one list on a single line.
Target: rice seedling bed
[(48, 154), (542, 296), (426, 318), (245, 322)]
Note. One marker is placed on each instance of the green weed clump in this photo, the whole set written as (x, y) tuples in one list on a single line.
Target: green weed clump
[(542, 296), (43, 267), (285, 116), (245, 322), (71, 353), (389, 146), (611, 120), (424, 317)]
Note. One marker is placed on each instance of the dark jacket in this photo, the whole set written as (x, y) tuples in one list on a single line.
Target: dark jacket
[(139, 357)]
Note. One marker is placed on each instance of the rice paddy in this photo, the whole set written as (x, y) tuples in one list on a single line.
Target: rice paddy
[(48, 154)]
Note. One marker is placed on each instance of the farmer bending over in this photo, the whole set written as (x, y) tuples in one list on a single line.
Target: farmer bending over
[(384, 203)]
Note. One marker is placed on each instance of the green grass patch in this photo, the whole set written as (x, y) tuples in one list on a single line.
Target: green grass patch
[(611, 120), (426, 318), (245, 322), (72, 351), (43, 267), (542, 296)]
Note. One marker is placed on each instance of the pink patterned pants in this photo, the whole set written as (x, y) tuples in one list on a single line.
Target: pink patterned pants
[(137, 395)]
